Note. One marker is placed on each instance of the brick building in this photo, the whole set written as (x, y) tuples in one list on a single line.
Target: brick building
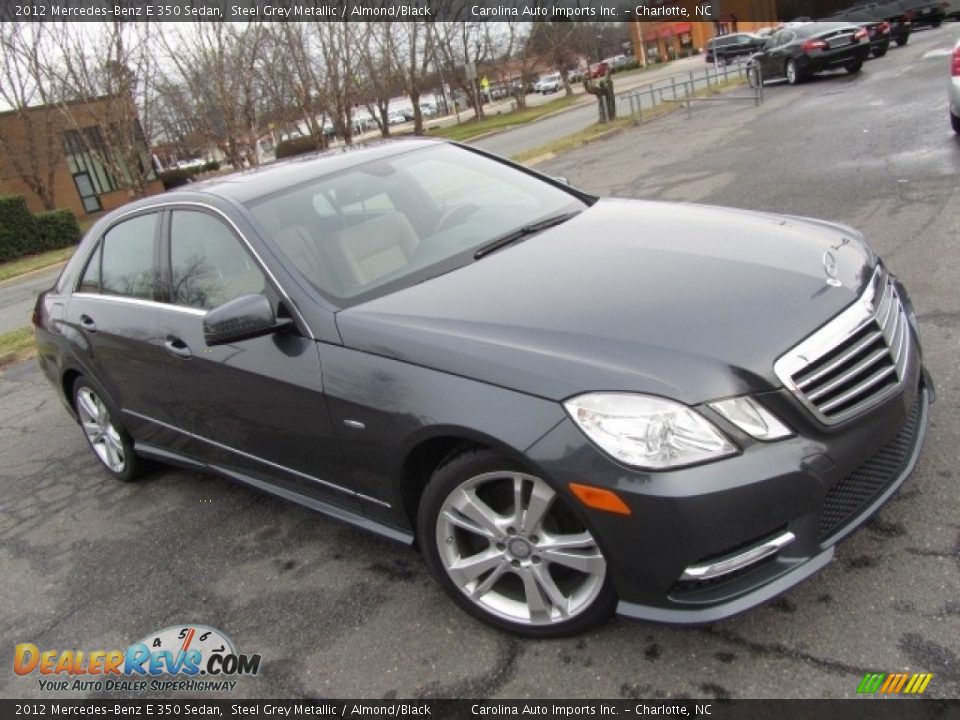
[(671, 38), (65, 145)]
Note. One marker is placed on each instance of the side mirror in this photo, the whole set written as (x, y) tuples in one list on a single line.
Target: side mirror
[(242, 318)]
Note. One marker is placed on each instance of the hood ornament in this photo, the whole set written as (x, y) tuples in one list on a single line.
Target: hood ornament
[(830, 268)]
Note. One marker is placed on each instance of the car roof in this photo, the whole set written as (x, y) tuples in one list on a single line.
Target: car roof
[(246, 185)]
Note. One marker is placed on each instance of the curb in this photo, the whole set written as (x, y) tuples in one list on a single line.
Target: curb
[(36, 271)]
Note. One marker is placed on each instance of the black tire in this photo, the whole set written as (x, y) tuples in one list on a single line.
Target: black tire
[(116, 441), (754, 78), (478, 470), (792, 72), (955, 122), (879, 53), (937, 23), (902, 40), (854, 67)]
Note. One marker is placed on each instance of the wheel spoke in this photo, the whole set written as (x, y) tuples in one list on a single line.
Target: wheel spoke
[(517, 501), (549, 587), (114, 442), (468, 504), (541, 498), (536, 604), (91, 429), (583, 540), (455, 518), (592, 564), (111, 453), (88, 405), (491, 580), (472, 567)]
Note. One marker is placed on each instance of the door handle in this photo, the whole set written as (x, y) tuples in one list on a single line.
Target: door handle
[(177, 347), (87, 323)]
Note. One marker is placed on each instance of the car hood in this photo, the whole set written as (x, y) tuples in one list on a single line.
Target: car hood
[(686, 301)]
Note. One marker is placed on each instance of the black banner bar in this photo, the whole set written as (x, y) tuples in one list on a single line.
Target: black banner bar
[(386, 10), (855, 709)]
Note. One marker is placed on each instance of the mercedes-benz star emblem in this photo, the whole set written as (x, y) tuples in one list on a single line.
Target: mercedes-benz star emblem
[(830, 268)]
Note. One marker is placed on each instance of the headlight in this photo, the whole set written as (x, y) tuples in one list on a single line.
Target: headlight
[(648, 432), (751, 417)]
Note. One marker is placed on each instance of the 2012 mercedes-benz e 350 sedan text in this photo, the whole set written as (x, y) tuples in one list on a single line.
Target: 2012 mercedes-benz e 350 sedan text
[(572, 405)]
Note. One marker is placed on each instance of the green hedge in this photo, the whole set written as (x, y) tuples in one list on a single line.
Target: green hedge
[(22, 233), (296, 146), (58, 229), (175, 178), (19, 233)]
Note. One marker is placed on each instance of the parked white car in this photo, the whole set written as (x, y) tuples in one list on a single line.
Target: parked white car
[(548, 83)]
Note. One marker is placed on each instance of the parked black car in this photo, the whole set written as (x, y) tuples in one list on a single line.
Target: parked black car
[(802, 50), (879, 31), (729, 47), (922, 12), (571, 404), (900, 25)]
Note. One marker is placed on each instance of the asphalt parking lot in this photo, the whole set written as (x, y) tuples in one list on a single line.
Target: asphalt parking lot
[(89, 563)]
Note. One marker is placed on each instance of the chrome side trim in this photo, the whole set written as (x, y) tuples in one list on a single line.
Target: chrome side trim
[(705, 571), (255, 458), (138, 301)]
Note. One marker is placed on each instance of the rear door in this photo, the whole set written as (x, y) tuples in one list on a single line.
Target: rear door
[(113, 315), (255, 407)]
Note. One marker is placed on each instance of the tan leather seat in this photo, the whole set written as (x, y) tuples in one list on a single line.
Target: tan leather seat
[(378, 247)]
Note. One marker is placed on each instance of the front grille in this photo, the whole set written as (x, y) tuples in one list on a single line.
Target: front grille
[(859, 489), (856, 360)]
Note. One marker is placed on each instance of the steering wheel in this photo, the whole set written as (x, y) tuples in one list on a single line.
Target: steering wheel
[(456, 214)]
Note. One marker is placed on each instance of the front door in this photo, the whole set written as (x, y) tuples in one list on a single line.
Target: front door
[(255, 407)]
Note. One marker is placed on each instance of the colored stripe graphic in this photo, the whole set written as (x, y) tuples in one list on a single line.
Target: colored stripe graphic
[(894, 683)]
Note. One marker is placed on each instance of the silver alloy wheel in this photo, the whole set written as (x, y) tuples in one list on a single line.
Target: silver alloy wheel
[(101, 433), (791, 72), (513, 554)]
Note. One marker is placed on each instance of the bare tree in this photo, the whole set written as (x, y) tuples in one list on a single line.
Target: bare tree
[(336, 50), (106, 96), (380, 82), (412, 57), (216, 64), (459, 44), (556, 43), (35, 153)]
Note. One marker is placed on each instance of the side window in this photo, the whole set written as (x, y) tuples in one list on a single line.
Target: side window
[(208, 262), (126, 267), (90, 282)]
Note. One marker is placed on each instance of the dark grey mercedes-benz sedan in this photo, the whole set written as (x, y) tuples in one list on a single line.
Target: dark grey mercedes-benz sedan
[(572, 405)]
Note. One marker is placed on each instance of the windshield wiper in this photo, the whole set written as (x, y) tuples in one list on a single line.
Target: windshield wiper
[(522, 232)]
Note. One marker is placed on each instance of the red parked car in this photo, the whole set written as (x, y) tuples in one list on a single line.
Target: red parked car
[(599, 70)]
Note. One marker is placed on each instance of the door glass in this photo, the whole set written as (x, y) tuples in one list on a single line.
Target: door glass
[(90, 282), (127, 266), (209, 265)]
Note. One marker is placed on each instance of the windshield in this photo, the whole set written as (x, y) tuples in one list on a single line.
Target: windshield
[(391, 222)]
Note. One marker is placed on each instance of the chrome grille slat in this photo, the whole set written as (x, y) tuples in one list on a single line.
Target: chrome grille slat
[(870, 339), (851, 373), (866, 385), (856, 360)]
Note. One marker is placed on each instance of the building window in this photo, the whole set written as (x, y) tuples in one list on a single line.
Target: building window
[(84, 147), (91, 201)]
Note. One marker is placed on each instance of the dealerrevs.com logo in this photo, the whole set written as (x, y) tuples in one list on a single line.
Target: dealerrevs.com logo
[(188, 658)]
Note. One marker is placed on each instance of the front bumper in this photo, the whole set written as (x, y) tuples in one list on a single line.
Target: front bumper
[(819, 486)]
